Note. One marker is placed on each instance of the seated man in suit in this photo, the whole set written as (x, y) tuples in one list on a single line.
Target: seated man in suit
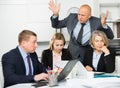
[(21, 65)]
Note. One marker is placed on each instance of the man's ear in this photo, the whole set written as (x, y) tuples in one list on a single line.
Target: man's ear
[(23, 43), (90, 16)]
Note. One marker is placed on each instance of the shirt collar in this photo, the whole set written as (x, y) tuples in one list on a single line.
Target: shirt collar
[(87, 23), (54, 53), (23, 53)]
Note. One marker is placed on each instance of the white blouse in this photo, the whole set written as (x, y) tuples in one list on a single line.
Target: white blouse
[(96, 58), (56, 59)]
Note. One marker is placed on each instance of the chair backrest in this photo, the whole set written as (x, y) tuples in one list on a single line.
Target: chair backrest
[(115, 44), (1, 76), (72, 10), (117, 65)]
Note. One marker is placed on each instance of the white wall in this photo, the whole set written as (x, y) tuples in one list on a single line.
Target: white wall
[(113, 6), (12, 20), (16, 15)]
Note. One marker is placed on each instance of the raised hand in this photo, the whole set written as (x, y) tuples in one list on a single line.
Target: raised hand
[(54, 8), (104, 18), (105, 50)]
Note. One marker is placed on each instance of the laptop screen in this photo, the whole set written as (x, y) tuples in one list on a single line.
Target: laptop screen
[(67, 69)]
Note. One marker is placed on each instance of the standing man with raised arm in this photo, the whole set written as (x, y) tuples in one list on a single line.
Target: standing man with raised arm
[(75, 22)]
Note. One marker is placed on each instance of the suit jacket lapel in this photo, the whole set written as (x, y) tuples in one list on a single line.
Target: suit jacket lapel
[(91, 25), (51, 59), (73, 24), (101, 62), (20, 58)]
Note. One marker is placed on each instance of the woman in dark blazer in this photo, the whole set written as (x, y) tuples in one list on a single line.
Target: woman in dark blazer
[(99, 57), (56, 52)]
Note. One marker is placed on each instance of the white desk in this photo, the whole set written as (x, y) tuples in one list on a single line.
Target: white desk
[(111, 82), (29, 85)]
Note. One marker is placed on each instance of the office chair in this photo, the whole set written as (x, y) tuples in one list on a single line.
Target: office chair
[(1, 76)]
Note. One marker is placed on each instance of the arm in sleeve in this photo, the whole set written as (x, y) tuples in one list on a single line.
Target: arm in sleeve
[(110, 61), (10, 76), (56, 23)]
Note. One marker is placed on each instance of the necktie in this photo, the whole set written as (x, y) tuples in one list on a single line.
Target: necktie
[(79, 38), (29, 65)]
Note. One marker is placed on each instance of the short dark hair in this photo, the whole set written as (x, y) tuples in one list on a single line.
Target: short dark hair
[(25, 35)]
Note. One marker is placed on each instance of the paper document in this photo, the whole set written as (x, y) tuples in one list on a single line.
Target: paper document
[(94, 83)]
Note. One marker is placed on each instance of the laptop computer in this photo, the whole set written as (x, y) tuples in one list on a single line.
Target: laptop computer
[(66, 70), (74, 67)]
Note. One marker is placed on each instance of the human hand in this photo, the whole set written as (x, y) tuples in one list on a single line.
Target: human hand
[(104, 18), (105, 50), (42, 76), (88, 68), (54, 8), (58, 70)]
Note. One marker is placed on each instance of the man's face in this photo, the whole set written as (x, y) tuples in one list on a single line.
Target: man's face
[(83, 15), (30, 45)]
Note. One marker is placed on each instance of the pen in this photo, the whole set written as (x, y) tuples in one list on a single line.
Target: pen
[(57, 66), (57, 72)]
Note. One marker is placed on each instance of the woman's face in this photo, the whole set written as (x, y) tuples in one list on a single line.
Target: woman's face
[(58, 45), (98, 43)]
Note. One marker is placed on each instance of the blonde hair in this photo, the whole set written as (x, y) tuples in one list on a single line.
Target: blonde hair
[(101, 34), (56, 36)]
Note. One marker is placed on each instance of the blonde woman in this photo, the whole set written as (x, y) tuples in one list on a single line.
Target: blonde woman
[(56, 52), (99, 57)]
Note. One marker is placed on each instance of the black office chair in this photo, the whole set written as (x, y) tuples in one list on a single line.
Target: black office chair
[(115, 44)]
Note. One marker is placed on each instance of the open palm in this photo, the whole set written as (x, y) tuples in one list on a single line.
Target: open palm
[(54, 8)]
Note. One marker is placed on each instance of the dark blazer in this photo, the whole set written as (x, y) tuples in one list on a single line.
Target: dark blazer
[(14, 68), (105, 64), (77, 50), (47, 57)]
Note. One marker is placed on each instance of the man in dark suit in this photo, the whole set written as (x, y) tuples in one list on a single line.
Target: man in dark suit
[(17, 68), (74, 24)]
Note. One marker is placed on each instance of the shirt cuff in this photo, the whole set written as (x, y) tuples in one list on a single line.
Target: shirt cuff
[(106, 54), (106, 27), (54, 17)]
